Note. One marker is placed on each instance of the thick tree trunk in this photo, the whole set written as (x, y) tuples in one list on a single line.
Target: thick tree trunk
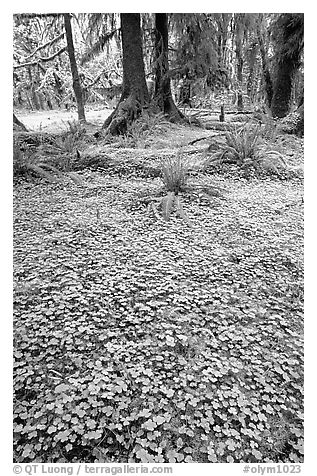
[(239, 21), (163, 99), (268, 84), (251, 76), (299, 130), (135, 96), (282, 88), (19, 123), (73, 66), (289, 47), (219, 50), (239, 77)]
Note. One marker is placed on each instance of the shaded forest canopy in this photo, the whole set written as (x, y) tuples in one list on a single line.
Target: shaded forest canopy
[(239, 60)]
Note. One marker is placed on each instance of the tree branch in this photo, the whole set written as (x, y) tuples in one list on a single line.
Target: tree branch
[(49, 43), (45, 59), (203, 138), (38, 15)]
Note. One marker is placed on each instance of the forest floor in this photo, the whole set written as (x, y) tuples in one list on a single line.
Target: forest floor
[(56, 120), (140, 340)]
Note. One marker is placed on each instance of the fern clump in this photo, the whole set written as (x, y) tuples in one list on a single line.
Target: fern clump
[(245, 147), (242, 143), (28, 165), (32, 164), (175, 174), (140, 132), (67, 143)]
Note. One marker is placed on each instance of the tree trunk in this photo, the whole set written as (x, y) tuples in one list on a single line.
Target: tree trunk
[(299, 130), (185, 91), (251, 77), (289, 44), (163, 98), (35, 103), (58, 88), (135, 96), (19, 123), (74, 69), (239, 19), (239, 76), (268, 84), (282, 88)]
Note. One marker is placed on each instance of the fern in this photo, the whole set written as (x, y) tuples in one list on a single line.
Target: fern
[(64, 147), (271, 159), (180, 209), (167, 204), (145, 127), (244, 146), (75, 178), (242, 142), (41, 172), (175, 173), (97, 47), (28, 165)]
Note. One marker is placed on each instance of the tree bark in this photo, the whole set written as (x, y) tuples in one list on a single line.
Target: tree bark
[(299, 130), (19, 123), (282, 88), (35, 102), (289, 46), (239, 76), (135, 96), (251, 77), (40, 59), (58, 88), (73, 66), (163, 99), (239, 18), (268, 84)]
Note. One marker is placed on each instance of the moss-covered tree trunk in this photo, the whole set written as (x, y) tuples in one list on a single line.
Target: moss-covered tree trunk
[(300, 123), (289, 33), (19, 123), (73, 66), (35, 102), (163, 99), (252, 68), (239, 75), (135, 96), (58, 88), (282, 88), (268, 84)]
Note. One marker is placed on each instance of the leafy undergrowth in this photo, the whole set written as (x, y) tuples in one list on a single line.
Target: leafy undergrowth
[(143, 341)]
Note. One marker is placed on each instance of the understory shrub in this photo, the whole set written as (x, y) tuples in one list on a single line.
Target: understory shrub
[(175, 174), (293, 123), (29, 164), (64, 147), (140, 132), (245, 146)]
